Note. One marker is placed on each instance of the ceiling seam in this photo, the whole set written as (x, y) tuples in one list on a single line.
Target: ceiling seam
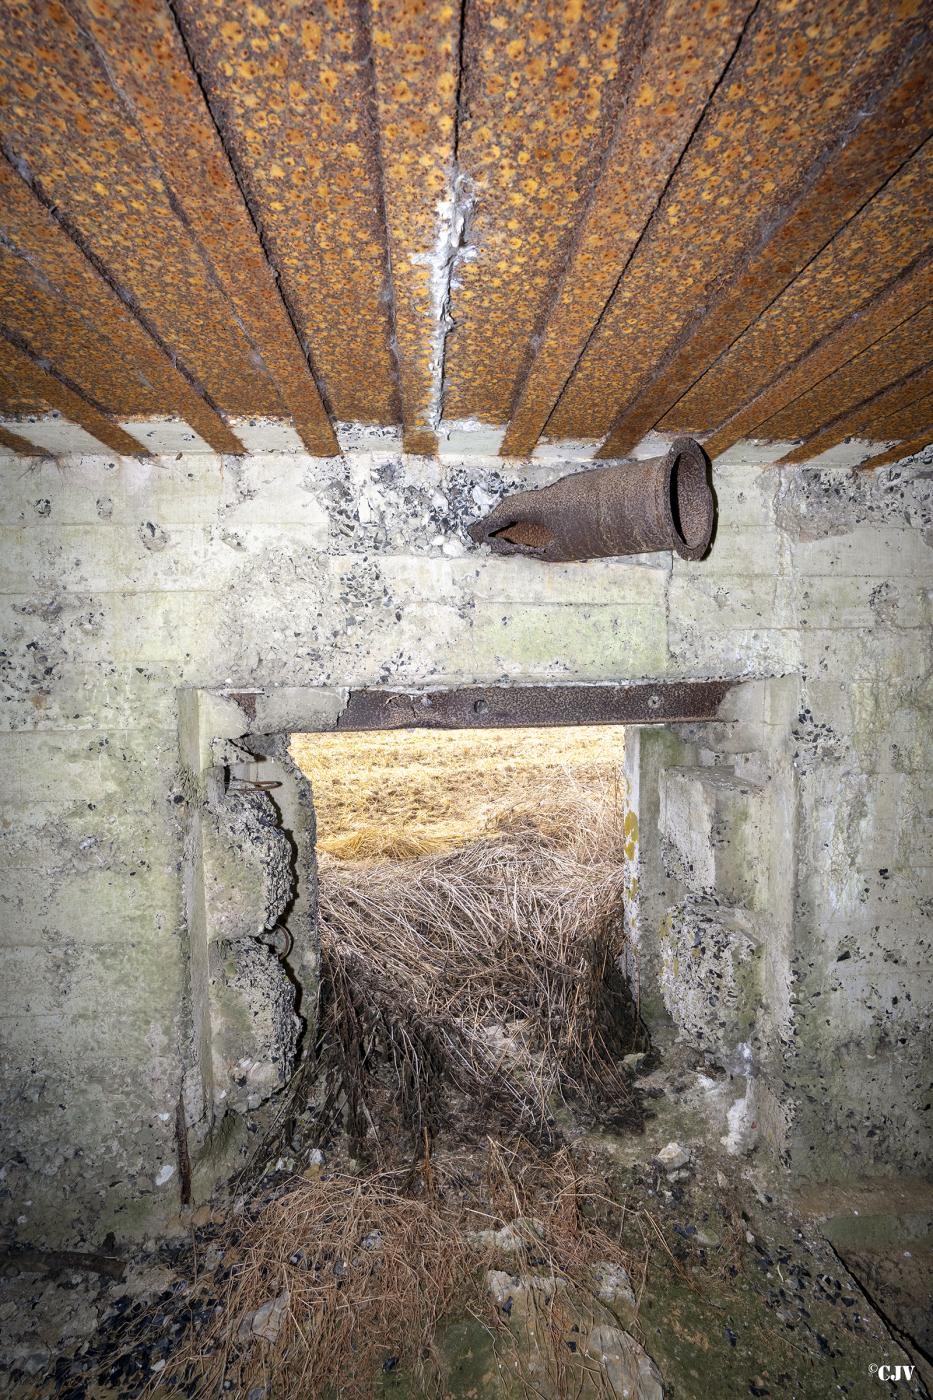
[(458, 179)]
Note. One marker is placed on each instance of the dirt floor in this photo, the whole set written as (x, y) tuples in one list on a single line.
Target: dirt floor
[(741, 1294)]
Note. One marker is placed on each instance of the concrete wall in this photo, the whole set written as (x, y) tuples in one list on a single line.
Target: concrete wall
[(128, 586)]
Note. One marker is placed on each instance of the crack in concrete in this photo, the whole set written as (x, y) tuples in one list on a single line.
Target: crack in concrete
[(451, 249)]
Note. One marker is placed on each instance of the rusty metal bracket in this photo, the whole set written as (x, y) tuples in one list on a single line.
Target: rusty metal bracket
[(531, 706), (630, 508)]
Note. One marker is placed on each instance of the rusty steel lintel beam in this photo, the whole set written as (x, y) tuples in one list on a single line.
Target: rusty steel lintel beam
[(535, 706)]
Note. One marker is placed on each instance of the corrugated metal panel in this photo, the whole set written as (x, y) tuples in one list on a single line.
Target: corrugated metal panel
[(879, 243), (38, 383), (143, 52), (66, 128), (882, 133), (587, 219), (39, 239), (290, 88), (801, 69), (543, 83), (683, 58)]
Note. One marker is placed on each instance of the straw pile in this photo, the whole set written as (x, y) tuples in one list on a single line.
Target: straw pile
[(471, 1012), (341, 1279), (482, 983)]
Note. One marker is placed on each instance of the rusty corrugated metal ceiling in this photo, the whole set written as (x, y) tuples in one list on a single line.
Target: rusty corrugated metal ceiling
[(566, 220)]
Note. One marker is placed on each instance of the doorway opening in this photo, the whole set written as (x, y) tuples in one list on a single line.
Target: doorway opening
[(471, 889)]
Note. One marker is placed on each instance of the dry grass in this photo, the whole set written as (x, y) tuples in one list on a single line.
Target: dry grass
[(344, 1277), (470, 900), (483, 980), (408, 793)]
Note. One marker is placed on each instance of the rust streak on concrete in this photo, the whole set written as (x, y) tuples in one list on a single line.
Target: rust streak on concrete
[(17, 365), (854, 334), (862, 420), (801, 69), (145, 56), (290, 89), (416, 56), (543, 81), (43, 244), (684, 56), (887, 129)]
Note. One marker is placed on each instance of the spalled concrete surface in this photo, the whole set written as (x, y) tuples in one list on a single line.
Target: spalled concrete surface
[(128, 585)]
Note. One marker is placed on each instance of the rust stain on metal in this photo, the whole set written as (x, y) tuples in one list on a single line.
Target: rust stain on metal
[(54, 332), (416, 57), (902, 350), (688, 45), (883, 132), (890, 233), (542, 84), (40, 240), (16, 365), (907, 423), (59, 115), (900, 450), (861, 421), (532, 706), (290, 87), (18, 402), (146, 59), (14, 443), (859, 330), (800, 69), (633, 508)]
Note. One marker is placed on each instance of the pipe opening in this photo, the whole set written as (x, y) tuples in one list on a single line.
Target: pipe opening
[(690, 504), (527, 533)]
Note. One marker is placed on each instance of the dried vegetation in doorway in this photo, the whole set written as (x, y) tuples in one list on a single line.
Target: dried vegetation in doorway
[(472, 1023), (470, 900)]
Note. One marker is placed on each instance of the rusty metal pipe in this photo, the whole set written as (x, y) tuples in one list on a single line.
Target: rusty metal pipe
[(631, 508)]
